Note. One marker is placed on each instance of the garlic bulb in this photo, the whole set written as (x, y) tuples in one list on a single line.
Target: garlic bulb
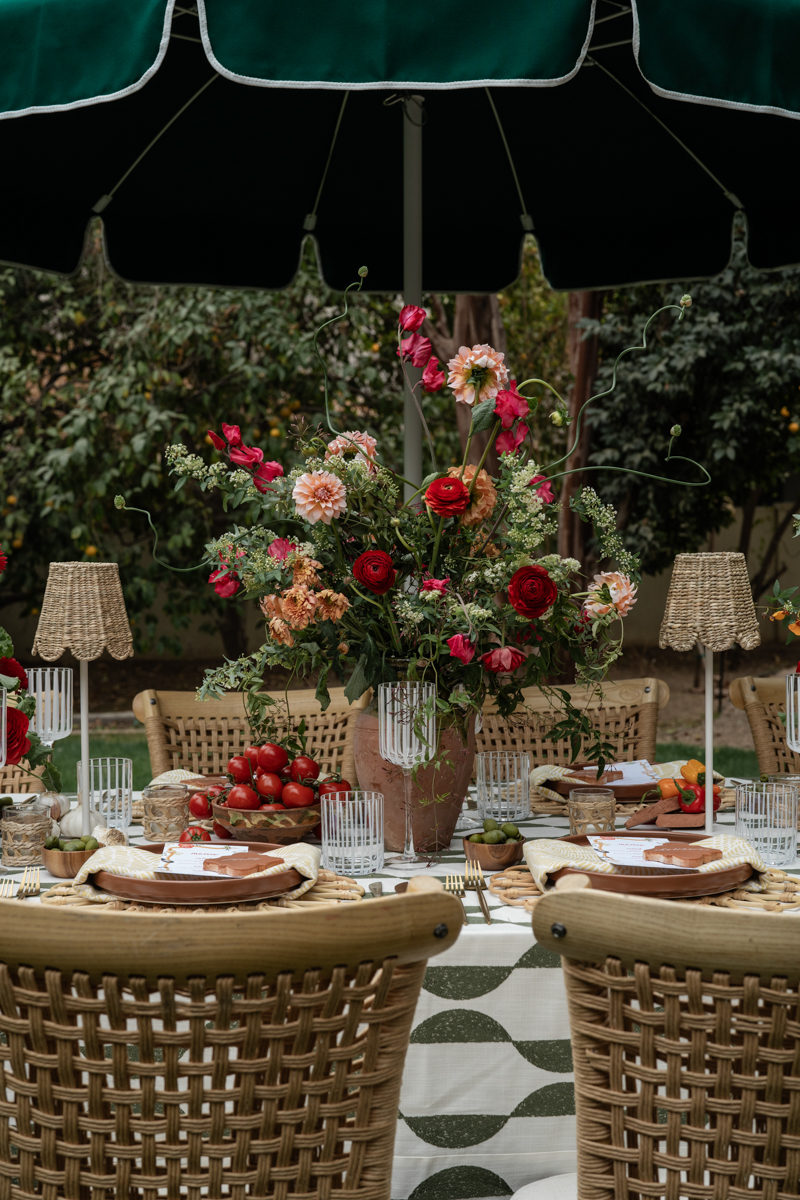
[(72, 823), (110, 837)]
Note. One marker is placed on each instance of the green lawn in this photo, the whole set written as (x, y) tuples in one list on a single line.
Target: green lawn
[(67, 754), (728, 760)]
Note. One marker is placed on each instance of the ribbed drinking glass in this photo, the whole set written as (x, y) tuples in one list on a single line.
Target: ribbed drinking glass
[(3, 718), (352, 832), (407, 738), (52, 689), (110, 791), (766, 817), (503, 779)]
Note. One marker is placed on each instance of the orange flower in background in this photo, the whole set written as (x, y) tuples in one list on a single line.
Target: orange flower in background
[(280, 632), (794, 628), (271, 606), (319, 496), (476, 374), (484, 495), (364, 447), (304, 572), (299, 605), (331, 605), (780, 615)]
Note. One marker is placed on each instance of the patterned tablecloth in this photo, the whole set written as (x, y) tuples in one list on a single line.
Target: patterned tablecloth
[(487, 1103)]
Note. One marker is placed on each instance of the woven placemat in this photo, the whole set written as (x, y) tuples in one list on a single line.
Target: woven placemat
[(330, 888), (515, 887), (558, 808)]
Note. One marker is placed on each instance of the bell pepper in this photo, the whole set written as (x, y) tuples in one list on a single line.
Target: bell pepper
[(692, 798), (692, 770), (667, 788)]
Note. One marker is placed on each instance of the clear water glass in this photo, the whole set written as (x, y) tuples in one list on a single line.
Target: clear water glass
[(52, 689), (766, 817), (3, 718), (352, 832), (407, 738), (503, 779), (110, 791), (793, 712)]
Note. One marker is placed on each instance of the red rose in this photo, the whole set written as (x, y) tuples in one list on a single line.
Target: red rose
[(374, 569), (10, 666), (531, 591), (17, 743), (503, 660), (447, 497)]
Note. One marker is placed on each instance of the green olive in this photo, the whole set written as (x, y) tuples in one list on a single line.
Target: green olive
[(494, 837), (477, 837), (489, 825), (510, 830), (51, 843), (92, 844), (73, 846)]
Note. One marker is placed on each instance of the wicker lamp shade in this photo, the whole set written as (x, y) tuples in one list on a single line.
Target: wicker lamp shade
[(709, 601), (83, 611)]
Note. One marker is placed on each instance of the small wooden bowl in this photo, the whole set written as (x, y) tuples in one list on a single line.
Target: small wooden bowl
[(65, 864), (493, 858), (252, 825)]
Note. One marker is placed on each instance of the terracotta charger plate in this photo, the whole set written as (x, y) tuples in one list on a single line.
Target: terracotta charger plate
[(672, 885), (622, 793), (201, 889)]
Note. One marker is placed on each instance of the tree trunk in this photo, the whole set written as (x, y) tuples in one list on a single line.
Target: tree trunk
[(478, 320), (572, 530), (231, 628)]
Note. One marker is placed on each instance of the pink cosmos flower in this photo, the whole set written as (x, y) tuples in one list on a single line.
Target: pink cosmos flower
[(503, 660), (411, 317), (622, 591), (507, 442), (281, 548), (232, 434), (542, 485), (415, 349), (476, 374), (219, 444), (265, 474), (356, 443), (461, 648), (319, 496), (435, 585), (432, 377), (225, 585), (247, 456), (510, 405)]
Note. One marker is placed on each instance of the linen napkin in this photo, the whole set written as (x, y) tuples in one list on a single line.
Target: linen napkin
[(545, 855), (541, 775), (132, 863)]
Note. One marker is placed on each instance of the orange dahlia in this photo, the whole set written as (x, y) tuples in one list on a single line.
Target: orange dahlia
[(484, 495), (319, 496), (476, 374)]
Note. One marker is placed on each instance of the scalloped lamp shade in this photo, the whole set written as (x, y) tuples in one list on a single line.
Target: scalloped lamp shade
[(710, 601), (83, 611)]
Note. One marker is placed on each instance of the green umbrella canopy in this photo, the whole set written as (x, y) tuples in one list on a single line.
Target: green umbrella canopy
[(214, 140)]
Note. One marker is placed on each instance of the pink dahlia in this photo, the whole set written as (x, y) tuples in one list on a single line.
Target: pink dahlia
[(621, 590), (319, 496), (357, 444), (476, 374)]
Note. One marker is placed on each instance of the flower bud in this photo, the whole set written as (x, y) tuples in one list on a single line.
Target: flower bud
[(675, 431), (119, 502), (396, 522), (364, 272), (686, 300), (557, 417)]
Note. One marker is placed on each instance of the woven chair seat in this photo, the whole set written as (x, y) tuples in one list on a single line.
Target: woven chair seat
[(764, 704), (14, 779), (626, 715)]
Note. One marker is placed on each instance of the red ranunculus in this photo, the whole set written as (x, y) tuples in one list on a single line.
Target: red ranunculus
[(415, 349), (265, 474), (17, 742), (432, 378), (10, 666), (461, 648), (247, 456), (503, 660), (219, 443), (447, 497), (232, 433), (374, 569), (531, 591), (507, 442), (411, 317), (509, 405), (225, 584)]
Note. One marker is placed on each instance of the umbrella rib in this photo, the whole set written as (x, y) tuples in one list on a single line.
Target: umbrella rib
[(525, 218), (734, 199), (311, 218), (106, 199)]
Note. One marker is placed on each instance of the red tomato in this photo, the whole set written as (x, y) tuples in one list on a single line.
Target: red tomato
[(304, 768), (221, 831), (215, 791), (285, 774), (195, 834), (269, 786), (239, 768), (295, 795), (252, 754), (199, 806), (243, 797), (272, 757), (272, 808), (330, 787)]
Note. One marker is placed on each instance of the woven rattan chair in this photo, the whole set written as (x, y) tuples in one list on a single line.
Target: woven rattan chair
[(201, 735), (628, 719), (685, 1025), (764, 702), (189, 1055), (13, 779)]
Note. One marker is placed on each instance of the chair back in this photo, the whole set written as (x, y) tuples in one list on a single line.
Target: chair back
[(686, 1045), (626, 713), (764, 702), (201, 735), (206, 1055), (14, 779)]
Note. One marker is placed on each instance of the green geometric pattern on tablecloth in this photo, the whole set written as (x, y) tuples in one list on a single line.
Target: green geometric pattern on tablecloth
[(459, 1025), (464, 983), (553, 1056), (456, 1131), (461, 1183), (552, 1100), (539, 956)]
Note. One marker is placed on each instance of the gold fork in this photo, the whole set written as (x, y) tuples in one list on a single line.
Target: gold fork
[(473, 878), (7, 888), (29, 885), (455, 887)]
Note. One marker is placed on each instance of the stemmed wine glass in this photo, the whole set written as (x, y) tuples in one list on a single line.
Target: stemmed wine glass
[(3, 718), (407, 733), (52, 689)]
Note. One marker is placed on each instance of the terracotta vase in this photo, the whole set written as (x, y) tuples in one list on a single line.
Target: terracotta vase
[(433, 821)]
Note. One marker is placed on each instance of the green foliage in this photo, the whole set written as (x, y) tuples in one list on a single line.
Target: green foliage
[(728, 375)]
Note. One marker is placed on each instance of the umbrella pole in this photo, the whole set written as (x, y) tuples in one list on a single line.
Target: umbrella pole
[(412, 276)]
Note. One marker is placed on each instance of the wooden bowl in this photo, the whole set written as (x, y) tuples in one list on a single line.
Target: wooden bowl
[(493, 858), (253, 825), (65, 864)]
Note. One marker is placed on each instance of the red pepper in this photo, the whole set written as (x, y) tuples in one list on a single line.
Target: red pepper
[(692, 797)]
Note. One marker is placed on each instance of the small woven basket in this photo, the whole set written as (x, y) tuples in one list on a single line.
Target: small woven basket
[(24, 831), (165, 813)]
